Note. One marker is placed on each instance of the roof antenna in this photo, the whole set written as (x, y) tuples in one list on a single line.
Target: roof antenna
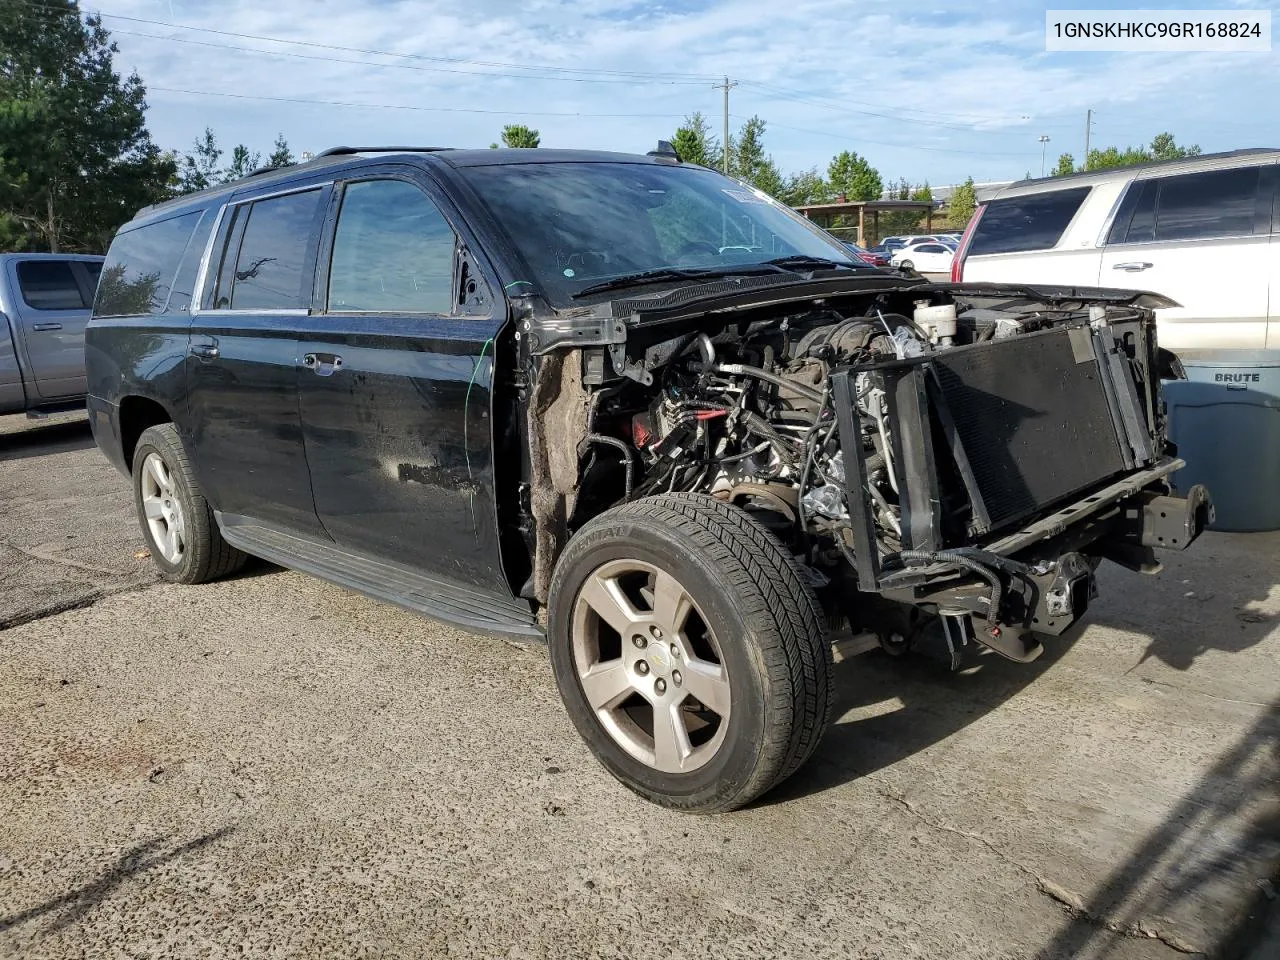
[(665, 150)]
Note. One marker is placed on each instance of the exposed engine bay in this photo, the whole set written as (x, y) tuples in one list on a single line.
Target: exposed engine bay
[(936, 450)]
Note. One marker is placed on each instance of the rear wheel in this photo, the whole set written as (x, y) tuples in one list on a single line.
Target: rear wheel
[(177, 522), (690, 654), (906, 265)]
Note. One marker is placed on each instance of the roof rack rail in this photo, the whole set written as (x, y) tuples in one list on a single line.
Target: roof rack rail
[(342, 151)]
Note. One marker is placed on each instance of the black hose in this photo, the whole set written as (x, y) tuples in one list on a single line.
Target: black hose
[(961, 559), (746, 370), (627, 461)]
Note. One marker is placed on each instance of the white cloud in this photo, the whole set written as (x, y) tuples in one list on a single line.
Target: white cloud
[(923, 94)]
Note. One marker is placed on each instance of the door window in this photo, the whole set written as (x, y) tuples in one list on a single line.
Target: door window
[(1197, 206), (393, 252), (271, 269), (49, 285), (1035, 221)]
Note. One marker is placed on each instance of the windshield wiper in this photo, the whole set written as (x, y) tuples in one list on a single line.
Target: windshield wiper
[(800, 260), (676, 273)]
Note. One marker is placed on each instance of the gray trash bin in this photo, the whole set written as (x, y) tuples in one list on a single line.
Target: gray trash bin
[(1225, 419)]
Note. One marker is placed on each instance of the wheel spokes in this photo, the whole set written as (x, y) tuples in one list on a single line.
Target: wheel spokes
[(607, 684), (706, 682), (671, 603), (671, 746), (604, 595)]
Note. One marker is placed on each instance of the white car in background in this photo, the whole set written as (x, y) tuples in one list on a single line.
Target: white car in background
[(926, 257), (1203, 231)]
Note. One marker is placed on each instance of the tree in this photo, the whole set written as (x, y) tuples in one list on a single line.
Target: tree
[(199, 169), (964, 200), (1066, 164), (805, 187), (748, 160), (851, 175), (695, 144), (242, 163), (1163, 147), (518, 135), (76, 159), (281, 155)]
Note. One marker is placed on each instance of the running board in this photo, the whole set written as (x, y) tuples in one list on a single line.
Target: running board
[(465, 607)]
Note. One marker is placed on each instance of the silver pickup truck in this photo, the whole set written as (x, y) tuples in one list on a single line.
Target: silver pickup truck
[(45, 301)]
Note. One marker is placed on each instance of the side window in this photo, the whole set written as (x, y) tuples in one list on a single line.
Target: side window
[(140, 266), (1217, 203), (49, 285), (393, 252), (271, 268), (1035, 221)]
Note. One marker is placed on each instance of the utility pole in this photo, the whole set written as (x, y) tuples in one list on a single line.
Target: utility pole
[(726, 87), (1088, 130), (1043, 140)]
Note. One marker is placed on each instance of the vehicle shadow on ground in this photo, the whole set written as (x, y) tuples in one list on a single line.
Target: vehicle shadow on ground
[(1197, 853), (42, 440), (69, 907), (934, 704)]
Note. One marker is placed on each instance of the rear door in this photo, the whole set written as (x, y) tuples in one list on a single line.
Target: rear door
[(1201, 239), (53, 299), (242, 357), (395, 379)]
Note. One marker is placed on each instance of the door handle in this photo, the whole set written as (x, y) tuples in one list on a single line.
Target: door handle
[(322, 364), (205, 351), (46, 326), (1132, 267)]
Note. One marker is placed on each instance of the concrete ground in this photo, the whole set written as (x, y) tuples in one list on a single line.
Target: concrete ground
[(274, 767)]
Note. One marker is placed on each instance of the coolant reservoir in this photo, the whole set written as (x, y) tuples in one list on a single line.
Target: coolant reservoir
[(938, 322)]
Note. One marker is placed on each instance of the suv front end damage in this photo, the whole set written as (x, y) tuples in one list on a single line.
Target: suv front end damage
[(962, 456)]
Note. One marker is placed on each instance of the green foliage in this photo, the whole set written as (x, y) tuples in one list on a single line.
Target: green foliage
[(695, 144), (1066, 164), (1162, 147), (242, 163), (518, 135), (964, 200), (76, 159), (851, 175), (281, 155), (748, 160), (128, 298), (805, 187)]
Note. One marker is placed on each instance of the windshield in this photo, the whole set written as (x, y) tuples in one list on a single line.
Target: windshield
[(578, 224)]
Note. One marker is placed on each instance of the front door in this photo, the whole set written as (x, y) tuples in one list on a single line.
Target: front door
[(242, 358), (394, 385)]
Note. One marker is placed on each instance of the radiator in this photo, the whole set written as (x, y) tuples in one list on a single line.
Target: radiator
[(1033, 419)]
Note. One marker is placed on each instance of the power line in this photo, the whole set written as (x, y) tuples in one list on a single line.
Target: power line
[(389, 66), (400, 106), (673, 77)]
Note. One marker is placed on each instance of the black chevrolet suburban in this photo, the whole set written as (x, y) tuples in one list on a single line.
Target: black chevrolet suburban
[(638, 408)]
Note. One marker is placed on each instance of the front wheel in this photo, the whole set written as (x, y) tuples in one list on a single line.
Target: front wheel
[(906, 265), (689, 652)]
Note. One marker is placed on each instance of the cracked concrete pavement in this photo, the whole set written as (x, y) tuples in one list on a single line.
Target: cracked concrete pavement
[(275, 767)]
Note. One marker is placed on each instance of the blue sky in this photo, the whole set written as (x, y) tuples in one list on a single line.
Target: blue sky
[(927, 91)]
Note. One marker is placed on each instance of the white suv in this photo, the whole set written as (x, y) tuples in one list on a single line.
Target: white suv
[(1199, 231)]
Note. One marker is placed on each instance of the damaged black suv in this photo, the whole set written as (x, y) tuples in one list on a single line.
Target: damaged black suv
[(638, 407)]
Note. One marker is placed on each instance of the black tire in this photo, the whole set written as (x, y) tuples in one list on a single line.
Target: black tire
[(906, 265), (767, 623), (206, 556)]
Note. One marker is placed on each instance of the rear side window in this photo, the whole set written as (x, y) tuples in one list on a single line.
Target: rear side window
[(1217, 203), (1034, 222), (392, 252), (49, 285), (138, 274), (271, 270)]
